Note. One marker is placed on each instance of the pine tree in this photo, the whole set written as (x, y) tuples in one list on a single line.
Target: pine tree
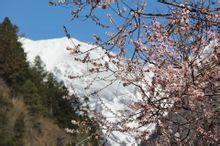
[(39, 66), (13, 65)]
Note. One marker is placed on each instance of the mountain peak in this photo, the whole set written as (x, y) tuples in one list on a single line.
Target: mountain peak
[(62, 64)]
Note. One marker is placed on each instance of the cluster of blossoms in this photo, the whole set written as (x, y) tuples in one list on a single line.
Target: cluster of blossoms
[(167, 61)]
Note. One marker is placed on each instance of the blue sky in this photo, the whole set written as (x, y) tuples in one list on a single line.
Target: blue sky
[(37, 20)]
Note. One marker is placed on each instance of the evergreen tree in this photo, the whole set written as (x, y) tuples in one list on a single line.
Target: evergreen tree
[(13, 65), (39, 67), (32, 98)]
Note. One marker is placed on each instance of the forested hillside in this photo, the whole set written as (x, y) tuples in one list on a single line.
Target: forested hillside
[(33, 107)]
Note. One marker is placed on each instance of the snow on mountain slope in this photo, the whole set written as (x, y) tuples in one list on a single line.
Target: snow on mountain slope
[(59, 61)]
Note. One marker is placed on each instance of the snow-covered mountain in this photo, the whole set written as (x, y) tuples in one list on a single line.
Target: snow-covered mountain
[(111, 101)]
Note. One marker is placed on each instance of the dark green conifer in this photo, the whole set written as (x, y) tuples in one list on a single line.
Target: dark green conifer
[(13, 65)]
